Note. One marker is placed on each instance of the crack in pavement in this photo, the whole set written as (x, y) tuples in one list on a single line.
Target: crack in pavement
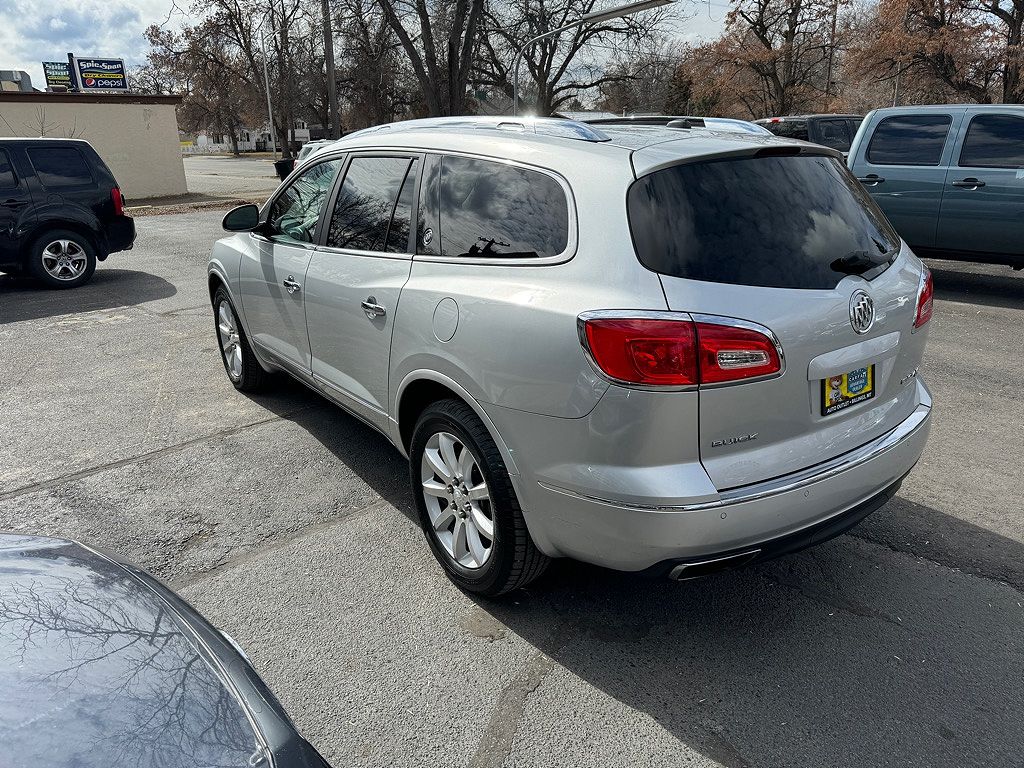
[(43, 485), (496, 742), (279, 540), (935, 558)]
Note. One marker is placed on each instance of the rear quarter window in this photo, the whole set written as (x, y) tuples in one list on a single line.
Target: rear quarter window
[(994, 141), (57, 167), (779, 222), (909, 140), (495, 210)]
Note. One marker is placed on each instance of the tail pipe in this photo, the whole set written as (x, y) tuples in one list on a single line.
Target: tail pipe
[(698, 568)]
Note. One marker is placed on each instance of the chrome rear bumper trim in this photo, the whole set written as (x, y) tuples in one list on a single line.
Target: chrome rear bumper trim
[(786, 483)]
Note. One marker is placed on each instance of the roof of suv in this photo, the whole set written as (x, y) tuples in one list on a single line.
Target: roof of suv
[(49, 139), (555, 143), (818, 115), (947, 107)]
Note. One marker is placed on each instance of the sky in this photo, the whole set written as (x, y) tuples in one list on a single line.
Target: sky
[(33, 31)]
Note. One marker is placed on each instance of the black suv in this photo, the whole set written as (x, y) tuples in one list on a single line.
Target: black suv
[(61, 210), (835, 131)]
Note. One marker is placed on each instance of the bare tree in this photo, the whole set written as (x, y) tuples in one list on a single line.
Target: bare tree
[(441, 51), (558, 66)]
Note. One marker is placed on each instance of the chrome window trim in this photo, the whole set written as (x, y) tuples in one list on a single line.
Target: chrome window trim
[(785, 484)]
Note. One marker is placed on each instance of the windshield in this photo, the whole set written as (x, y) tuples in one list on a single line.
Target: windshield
[(782, 222)]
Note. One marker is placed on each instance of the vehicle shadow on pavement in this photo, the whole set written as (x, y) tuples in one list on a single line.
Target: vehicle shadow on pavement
[(22, 298), (362, 449), (900, 643), (842, 655), (1005, 289)]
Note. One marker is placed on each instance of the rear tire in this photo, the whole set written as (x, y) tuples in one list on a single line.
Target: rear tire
[(61, 258), (240, 363), (468, 508)]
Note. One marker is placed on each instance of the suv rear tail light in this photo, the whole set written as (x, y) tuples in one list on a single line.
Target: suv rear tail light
[(925, 295), (118, 198), (660, 350), (647, 351), (730, 353)]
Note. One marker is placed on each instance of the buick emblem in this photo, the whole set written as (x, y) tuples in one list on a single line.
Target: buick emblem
[(862, 312)]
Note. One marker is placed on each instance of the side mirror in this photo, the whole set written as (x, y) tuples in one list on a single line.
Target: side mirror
[(244, 218)]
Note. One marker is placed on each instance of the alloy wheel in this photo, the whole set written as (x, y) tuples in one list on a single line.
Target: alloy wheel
[(230, 343), (458, 500), (65, 260)]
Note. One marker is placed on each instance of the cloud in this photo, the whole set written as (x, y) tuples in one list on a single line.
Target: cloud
[(29, 35)]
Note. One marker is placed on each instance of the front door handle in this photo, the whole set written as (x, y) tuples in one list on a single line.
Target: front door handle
[(969, 183), (871, 179), (372, 308), (14, 203), (291, 284)]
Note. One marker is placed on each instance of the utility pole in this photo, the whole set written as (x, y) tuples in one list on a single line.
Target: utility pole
[(831, 55), (333, 118)]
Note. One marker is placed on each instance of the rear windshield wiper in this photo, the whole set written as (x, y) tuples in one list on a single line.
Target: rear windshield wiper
[(856, 263)]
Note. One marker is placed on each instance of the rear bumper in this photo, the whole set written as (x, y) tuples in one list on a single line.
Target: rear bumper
[(818, 533), (640, 536), (120, 234)]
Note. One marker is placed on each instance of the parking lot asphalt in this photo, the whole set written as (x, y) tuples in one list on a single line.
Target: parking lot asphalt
[(290, 526), (226, 176)]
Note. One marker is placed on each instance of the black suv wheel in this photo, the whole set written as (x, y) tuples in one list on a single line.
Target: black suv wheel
[(61, 258)]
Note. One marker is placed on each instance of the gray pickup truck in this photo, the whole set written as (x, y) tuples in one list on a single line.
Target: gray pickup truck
[(949, 177)]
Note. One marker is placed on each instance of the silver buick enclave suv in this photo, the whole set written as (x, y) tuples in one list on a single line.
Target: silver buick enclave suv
[(647, 348)]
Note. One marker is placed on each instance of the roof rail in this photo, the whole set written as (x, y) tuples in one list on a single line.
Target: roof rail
[(540, 126)]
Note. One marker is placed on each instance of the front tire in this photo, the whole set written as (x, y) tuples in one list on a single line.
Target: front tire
[(240, 363), (62, 259), (468, 508)]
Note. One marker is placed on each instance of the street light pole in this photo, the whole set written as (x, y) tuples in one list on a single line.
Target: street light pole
[(266, 82), (591, 18)]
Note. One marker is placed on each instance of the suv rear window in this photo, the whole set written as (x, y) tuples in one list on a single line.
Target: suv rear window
[(780, 222), (835, 134), (60, 167), (791, 129), (495, 210), (909, 140)]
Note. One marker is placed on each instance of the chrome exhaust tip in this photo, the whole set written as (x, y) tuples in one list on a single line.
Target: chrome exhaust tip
[(698, 568)]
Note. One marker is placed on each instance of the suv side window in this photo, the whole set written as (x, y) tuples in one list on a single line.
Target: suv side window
[(909, 140), (994, 141), (369, 200), (7, 178), (835, 134), (295, 211), (60, 167), (495, 210)]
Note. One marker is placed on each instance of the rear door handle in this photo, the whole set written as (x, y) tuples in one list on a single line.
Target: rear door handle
[(12, 203), (871, 179), (372, 308), (291, 284), (969, 183)]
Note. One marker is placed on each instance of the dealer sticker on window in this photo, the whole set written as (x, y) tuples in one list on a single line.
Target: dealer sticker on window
[(839, 392)]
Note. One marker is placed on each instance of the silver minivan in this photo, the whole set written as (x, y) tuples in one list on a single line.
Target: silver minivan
[(653, 349)]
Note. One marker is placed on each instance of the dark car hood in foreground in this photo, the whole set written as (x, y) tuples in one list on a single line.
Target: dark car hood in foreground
[(97, 669)]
